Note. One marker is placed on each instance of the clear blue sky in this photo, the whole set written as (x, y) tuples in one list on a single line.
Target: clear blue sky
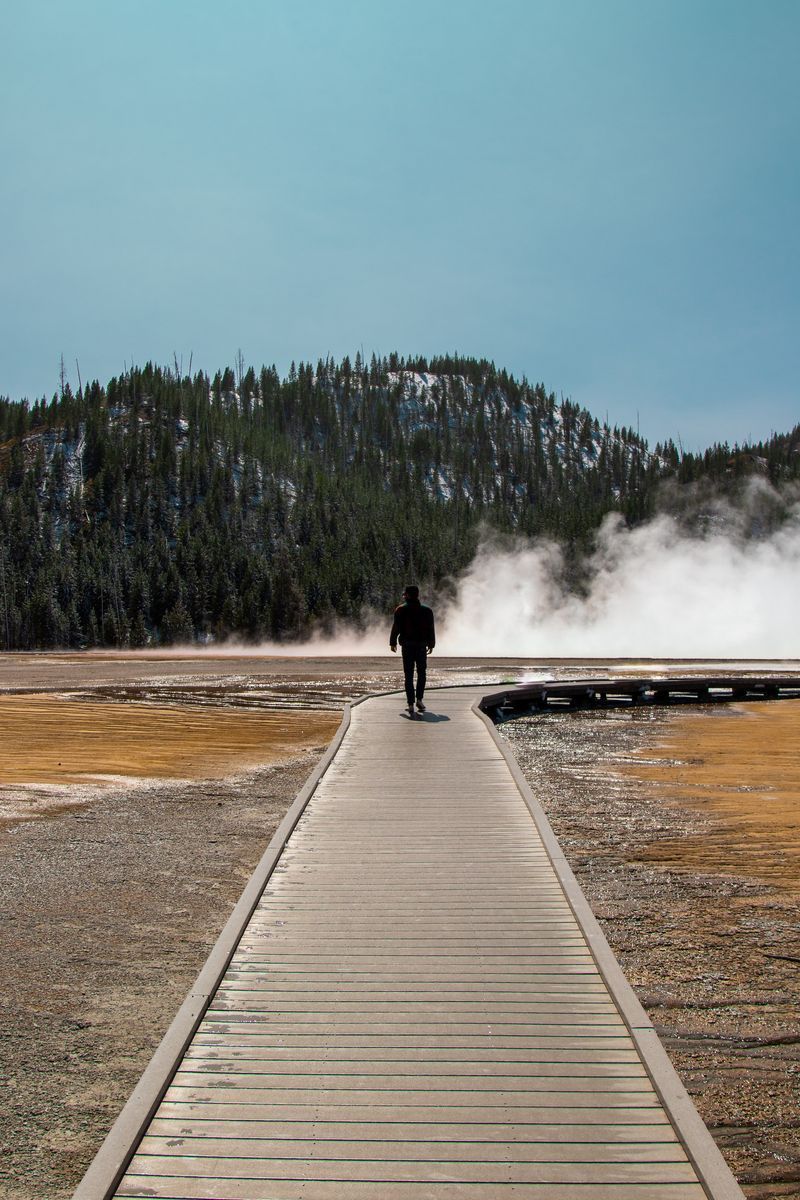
[(600, 194)]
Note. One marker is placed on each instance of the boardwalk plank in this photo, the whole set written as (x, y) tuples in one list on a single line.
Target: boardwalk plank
[(345, 998), (552, 1137), (152, 1188), (523, 1113), (367, 1085), (406, 1171), (345, 1149), (387, 1028), (550, 1061), (237, 1091), (421, 1067)]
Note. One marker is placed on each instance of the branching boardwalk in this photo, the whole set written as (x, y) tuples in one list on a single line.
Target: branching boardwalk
[(422, 1006)]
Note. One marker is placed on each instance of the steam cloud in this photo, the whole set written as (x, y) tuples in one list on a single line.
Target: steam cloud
[(652, 591)]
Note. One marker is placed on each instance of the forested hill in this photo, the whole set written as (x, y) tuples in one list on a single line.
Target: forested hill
[(164, 508)]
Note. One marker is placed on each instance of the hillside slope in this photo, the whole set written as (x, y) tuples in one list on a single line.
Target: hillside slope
[(163, 508)]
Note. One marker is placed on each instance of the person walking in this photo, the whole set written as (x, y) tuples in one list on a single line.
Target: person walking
[(413, 628)]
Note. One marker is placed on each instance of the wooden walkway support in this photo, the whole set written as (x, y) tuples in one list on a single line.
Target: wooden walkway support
[(421, 1007), (565, 695)]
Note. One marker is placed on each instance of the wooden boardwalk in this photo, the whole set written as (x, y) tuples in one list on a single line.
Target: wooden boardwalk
[(421, 1006)]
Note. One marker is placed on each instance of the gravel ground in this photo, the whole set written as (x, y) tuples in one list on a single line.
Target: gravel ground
[(101, 940), (713, 957)]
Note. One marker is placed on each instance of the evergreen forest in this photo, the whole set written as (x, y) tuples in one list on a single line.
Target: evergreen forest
[(167, 507)]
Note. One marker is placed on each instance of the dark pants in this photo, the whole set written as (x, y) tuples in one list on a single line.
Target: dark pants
[(415, 654)]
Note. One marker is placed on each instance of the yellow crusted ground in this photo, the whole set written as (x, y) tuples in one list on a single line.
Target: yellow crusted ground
[(57, 741), (741, 768)]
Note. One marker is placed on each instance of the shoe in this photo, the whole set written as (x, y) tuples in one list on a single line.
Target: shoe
[(420, 706), (411, 710)]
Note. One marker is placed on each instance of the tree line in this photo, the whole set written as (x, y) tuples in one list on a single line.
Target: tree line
[(165, 508)]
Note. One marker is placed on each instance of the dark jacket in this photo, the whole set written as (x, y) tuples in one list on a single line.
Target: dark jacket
[(413, 624)]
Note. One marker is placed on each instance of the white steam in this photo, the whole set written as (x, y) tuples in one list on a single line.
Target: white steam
[(653, 591)]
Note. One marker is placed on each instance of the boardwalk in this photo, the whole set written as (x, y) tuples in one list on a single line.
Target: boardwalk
[(415, 1009)]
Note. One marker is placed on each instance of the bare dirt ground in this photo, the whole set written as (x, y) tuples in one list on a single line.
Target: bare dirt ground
[(112, 898), (682, 829)]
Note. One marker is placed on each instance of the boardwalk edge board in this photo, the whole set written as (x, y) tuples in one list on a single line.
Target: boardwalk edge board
[(109, 1164), (703, 1152)]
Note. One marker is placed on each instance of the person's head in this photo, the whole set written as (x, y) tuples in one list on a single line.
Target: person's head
[(411, 592)]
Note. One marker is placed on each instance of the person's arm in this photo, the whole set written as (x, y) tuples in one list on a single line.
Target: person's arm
[(393, 634), (431, 633)]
